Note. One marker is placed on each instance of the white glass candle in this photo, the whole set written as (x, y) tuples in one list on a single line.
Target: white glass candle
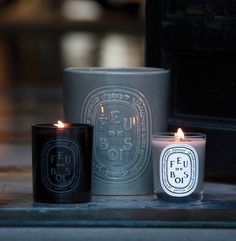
[(178, 166)]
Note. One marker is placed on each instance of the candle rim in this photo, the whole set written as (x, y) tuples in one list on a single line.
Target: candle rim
[(117, 71), (187, 135), (67, 125)]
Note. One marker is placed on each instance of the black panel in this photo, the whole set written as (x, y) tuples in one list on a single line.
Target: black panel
[(196, 40), (206, 84)]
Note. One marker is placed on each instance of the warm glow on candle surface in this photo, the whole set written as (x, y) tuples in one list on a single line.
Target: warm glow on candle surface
[(134, 120), (102, 109), (179, 135), (59, 124)]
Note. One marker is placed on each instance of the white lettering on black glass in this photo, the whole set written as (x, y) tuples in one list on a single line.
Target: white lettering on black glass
[(61, 165)]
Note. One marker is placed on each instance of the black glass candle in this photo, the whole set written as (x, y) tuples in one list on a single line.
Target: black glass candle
[(61, 163)]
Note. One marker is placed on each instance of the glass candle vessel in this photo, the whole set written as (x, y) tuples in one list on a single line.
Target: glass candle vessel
[(61, 163), (178, 166)]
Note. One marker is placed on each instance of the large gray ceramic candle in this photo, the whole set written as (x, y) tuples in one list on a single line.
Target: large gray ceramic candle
[(124, 106)]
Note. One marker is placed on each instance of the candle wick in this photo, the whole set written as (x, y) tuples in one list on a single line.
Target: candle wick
[(179, 138)]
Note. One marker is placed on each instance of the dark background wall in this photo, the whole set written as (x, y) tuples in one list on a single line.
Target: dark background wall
[(38, 39), (196, 40)]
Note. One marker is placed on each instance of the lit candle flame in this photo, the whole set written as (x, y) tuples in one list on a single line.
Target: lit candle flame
[(134, 120), (179, 135), (59, 124), (102, 108)]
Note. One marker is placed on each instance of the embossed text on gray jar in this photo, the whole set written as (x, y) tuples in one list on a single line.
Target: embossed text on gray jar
[(125, 105)]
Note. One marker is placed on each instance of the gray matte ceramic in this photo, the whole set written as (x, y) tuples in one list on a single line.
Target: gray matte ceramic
[(125, 106)]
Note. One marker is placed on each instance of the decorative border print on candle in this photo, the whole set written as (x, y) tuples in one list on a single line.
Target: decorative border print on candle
[(179, 170), (61, 162), (61, 168), (122, 137), (124, 105), (178, 166)]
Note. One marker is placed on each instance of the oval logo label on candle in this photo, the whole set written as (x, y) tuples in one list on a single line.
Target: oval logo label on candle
[(121, 117), (61, 167), (179, 169)]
